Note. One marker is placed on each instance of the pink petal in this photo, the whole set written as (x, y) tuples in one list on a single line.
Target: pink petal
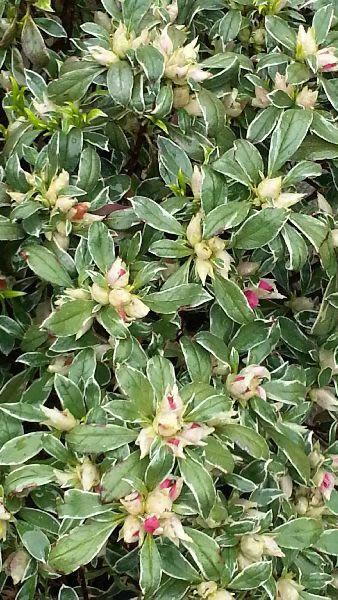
[(252, 298), (151, 524), (264, 285)]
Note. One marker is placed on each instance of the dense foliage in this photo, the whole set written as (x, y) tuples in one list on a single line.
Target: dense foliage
[(169, 294)]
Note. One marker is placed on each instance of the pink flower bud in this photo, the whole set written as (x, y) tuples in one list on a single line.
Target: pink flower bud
[(151, 524), (118, 274), (252, 298), (133, 503)]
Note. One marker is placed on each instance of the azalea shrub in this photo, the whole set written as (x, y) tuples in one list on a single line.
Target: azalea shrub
[(169, 296)]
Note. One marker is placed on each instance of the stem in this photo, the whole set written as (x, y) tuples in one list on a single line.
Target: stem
[(83, 583), (134, 156)]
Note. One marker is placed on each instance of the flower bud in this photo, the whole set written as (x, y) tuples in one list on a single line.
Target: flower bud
[(334, 234), (181, 96), (196, 182), (57, 184), (16, 565), (302, 506), (60, 420), (121, 41), (203, 269), (300, 303), (261, 99), (18, 197), (79, 211), (102, 56), (270, 188), (89, 475), (306, 43), (306, 98), (252, 547), (119, 297), (325, 481), (193, 108), (151, 524), (133, 503), (202, 250), (174, 485), (247, 268), (287, 199), (206, 588), (99, 294), (194, 230), (118, 274), (136, 309), (324, 398), (327, 60), (167, 423), (131, 529), (271, 547), (172, 10), (221, 595), (158, 502), (288, 589), (65, 203), (77, 294), (286, 485)]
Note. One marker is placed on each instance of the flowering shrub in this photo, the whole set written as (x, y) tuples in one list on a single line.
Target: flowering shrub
[(169, 295)]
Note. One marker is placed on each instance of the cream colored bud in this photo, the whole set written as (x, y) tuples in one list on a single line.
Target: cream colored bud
[(57, 184), (334, 234), (247, 268), (288, 589), (60, 420), (65, 203), (221, 595), (252, 547), (77, 294), (202, 250), (119, 297), (193, 108), (16, 565), (172, 10), (99, 294), (286, 485), (102, 56), (158, 502), (325, 398), (206, 588), (270, 188), (18, 197), (121, 41), (133, 503), (194, 230), (306, 98), (118, 274), (306, 43), (136, 309), (302, 506), (196, 182), (131, 529), (90, 476), (181, 96), (203, 269)]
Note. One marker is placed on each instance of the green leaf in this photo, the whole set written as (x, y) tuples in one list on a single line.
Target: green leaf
[(213, 111), (101, 246), (69, 318), (73, 84), (112, 322), (197, 360), (250, 160), (137, 387), (33, 44), (224, 217), (252, 577), (299, 533), (218, 455), (28, 476), (260, 228), (120, 82), (78, 504), (20, 449), (172, 160), (150, 567), (114, 484), (176, 565), (232, 300), (247, 439), (133, 11), (313, 229), (198, 480), (322, 22), (96, 439), (9, 230), (288, 136), (170, 300), (151, 61), (34, 540), (70, 395), (81, 545), (294, 453), (154, 215), (281, 32), (262, 125), (89, 170), (46, 266), (328, 542), (205, 552)]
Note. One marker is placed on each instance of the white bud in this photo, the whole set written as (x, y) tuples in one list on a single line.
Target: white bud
[(60, 420), (270, 188), (194, 230), (136, 309), (306, 43), (99, 294), (306, 98), (102, 56), (196, 182), (158, 502), (90, 476)]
